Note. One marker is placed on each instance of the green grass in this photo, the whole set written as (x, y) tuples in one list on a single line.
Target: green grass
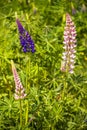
[(54, 101)]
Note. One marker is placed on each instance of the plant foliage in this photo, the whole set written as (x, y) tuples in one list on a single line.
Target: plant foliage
[(55, 100)]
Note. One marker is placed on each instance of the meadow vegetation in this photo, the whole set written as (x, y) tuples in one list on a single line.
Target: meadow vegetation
[(54, 100)]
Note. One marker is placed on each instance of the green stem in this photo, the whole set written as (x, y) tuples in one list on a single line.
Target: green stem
[(28, 74), (26, 114), (20, 114), (65, 86), (27, 88)]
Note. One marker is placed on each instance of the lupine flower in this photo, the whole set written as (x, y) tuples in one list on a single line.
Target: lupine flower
[(25, 39), (69, 46), (73, 9), (19, 90)]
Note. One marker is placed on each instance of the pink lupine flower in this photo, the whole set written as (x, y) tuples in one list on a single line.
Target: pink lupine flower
[(19, 90), (69, 46)]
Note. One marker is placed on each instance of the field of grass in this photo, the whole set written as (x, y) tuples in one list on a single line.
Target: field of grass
[(54, 100)]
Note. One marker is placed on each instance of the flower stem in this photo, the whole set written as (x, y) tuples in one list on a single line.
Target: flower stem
[(27, 87), (20, 114), (65, 86)]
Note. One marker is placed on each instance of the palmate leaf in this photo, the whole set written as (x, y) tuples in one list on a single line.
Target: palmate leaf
[(8, 105)]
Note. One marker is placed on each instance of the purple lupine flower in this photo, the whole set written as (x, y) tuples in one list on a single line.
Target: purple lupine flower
[(19, 90), (25, 39), (69, 46)]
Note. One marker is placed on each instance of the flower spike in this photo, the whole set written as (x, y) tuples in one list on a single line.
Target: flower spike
[(25, 39), (69, 46), (19, 90)]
